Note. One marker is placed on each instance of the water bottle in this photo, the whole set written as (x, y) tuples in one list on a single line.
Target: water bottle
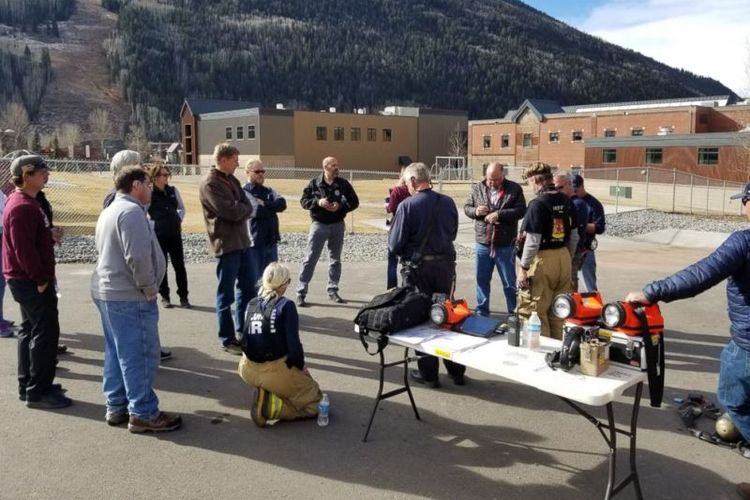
[(323, 407), (533, 332)]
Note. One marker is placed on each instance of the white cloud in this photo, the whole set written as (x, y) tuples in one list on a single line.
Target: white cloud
[(707, 38)]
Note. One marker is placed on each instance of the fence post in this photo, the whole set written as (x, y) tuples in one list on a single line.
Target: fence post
[(674, 187), (691, 194), (617, 191), (708, 191), (648, 172), (723, 197)]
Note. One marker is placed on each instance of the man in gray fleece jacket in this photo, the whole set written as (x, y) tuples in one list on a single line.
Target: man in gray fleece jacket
[(125, 286)]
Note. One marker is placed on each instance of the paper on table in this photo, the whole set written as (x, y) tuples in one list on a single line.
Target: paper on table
[(417, 335), (451, 342)]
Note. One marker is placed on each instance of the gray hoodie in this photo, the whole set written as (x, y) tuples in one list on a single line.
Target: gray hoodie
[(131, 264)]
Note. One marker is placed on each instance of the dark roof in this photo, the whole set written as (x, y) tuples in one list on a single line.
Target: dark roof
[(202, 106), (539, 107)]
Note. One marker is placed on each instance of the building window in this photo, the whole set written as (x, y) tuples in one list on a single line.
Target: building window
[(609, 155), (321, 133), (554, 137), (189, 143), (338, 133), (487, 142), (577, 136), (653, 156), (240, 133), (251, 131), (527, 140), (188, 130), (610, 132), (228, 133), (356, 134), (637, 132), (387, 135), (372, 134), (504, 141), (708, 156)]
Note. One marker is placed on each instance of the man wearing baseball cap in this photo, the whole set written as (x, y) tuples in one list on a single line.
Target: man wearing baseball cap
[(29, 269), (729, 262)]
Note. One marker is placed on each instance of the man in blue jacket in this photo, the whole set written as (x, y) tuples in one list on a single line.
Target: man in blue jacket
[(730, 261), (264, 227)]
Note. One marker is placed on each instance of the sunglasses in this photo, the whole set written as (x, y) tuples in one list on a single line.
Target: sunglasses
[(163, 174), (259, 171)]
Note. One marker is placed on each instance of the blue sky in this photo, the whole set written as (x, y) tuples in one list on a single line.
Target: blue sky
[(707, 37)]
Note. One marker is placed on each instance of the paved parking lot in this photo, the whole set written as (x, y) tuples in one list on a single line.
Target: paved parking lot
[(488, 439)]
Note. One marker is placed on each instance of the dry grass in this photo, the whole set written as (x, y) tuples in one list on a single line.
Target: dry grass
[(77, 201)]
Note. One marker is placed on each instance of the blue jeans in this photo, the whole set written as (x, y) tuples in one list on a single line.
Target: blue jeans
[(734, 386), (233, 269), (392, 275), (261, 256), (506, 268), (587, 274), (131, 357)]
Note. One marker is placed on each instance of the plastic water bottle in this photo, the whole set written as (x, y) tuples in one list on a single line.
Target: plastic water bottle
[(323, 408), (533, 332)]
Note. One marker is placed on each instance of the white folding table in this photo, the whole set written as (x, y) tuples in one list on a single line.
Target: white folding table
[(527, 367)]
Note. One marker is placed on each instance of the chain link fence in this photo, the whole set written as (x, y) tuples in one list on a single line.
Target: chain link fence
[(76, 189)]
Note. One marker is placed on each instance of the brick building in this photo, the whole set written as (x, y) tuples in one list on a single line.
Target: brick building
[(696, 135), (287, 138)]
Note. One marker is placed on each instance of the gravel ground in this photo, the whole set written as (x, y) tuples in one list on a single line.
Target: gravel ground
[(357, 248), (371, 247)]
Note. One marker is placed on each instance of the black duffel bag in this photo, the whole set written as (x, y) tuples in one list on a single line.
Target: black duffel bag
[(397, 309)]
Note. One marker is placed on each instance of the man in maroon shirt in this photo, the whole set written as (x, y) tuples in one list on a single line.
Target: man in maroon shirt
[(29, 268)]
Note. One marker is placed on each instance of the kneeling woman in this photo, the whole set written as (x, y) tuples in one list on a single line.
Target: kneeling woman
[(273, 360)]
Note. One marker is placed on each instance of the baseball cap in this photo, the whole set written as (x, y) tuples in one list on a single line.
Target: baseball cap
[(16, 168), (576, 181), (745, 193)]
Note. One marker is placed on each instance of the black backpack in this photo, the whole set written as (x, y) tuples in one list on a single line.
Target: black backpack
[(397, 309)]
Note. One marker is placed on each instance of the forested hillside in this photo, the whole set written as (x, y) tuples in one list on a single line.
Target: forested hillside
[(29, 14), (480, 55), (23, 77)]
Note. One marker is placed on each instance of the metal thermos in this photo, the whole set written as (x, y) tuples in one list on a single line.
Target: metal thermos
[(514, 330)]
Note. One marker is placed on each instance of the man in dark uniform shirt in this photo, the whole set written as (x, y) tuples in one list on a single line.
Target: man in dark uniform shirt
[(436, 270)]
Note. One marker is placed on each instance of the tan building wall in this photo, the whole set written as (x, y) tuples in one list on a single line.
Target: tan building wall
[(436, 131), (527, 124), (678, 121), (276, 134), (567, 152), (364, 154)]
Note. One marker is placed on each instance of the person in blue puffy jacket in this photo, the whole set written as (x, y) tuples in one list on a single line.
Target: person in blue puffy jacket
[(731, 261)]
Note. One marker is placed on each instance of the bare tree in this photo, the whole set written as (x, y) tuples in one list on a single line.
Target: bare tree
[(69, 134), (14, 124), (457, 142), (137, 140), (100, 125)]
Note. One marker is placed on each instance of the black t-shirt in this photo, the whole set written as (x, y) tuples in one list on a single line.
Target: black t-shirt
[(552, 216)]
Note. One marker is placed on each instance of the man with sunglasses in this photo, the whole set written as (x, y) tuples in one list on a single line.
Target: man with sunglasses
[(728, 262), (264, 227)]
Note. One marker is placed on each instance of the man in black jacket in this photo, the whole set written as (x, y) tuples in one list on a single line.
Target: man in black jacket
[(328, 198), (496, 204)]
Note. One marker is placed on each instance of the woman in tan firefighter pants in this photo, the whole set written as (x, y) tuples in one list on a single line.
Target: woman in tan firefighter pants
[(273, 361), (545, 267)]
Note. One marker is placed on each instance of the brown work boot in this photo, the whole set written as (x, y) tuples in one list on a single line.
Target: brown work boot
[(164, 422), (743, 490), (259, 410)]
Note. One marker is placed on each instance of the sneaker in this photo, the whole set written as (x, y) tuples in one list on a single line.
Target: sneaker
[(335, 297), (53, 400), (459, 379), (417, 377), (185, 304), (260, 402), (233, 347), (165, 303), (165, 355), (164, 422), (6, 332), (301, 301), (115, 419), (62, 349)]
